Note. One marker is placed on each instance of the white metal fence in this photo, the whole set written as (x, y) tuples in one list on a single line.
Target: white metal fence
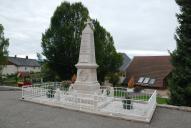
[(58, 93), (151, 104)]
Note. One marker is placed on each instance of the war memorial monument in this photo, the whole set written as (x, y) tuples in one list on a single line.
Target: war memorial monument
[(87, 95)]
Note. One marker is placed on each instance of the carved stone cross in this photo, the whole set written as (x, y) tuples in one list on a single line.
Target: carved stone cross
[(89, 21)]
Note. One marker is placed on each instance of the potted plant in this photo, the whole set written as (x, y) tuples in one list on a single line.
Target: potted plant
[(50, 93), (127, 103), (107, 92)]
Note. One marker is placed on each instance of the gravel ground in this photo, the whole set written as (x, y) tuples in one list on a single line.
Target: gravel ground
[(19, 114)]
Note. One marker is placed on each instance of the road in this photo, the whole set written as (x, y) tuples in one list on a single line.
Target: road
[(19, 114)]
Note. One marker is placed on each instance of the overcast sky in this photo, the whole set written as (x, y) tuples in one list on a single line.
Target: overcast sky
[(139, 27)]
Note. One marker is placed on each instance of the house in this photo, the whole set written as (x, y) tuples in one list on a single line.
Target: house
[(149, 71), (16, 64), (123, 68)]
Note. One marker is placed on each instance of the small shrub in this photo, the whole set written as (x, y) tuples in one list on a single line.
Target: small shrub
[(65, 85), (113, 78), (137, 89)]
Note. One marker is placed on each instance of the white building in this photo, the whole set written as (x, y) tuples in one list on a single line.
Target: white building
[(16, 64)]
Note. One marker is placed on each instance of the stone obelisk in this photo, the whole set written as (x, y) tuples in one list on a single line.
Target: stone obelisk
[(86, 81)]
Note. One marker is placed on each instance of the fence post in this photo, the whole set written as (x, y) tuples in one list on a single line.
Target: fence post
[(22, 93)]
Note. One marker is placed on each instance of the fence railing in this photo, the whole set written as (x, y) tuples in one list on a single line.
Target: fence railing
[(152, 102), (122, 93), (47, 92), (58, 93)]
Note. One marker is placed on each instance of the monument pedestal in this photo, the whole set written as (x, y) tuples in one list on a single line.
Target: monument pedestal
[(87, 87)]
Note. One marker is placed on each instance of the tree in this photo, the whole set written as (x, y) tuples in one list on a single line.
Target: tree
[(39, 58), (47, 74), (61, 42), (113, 78), (107, 58), (4, 43), (180, 81)]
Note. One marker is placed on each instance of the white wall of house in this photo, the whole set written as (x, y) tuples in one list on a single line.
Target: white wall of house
[(9, 69), (28, 69), (12, 69)]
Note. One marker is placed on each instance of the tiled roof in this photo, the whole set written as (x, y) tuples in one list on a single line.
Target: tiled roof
[(125, 64), (154, 67), (23, 62)]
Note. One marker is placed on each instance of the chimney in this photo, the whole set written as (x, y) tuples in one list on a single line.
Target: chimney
[(27, 57), (15, 56)]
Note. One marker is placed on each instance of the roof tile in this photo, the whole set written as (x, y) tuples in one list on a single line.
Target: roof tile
[(24, 62), (157, 67)]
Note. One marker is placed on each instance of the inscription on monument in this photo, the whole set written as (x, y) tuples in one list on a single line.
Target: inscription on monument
[(84, 46), (83, 75), (84, 58)]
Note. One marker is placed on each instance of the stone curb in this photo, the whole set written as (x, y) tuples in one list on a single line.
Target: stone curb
[(181, 108), (87, 112), (10, 88)]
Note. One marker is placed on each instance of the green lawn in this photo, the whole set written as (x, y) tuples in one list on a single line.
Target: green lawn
[(162, 100), (144, 98), (10, 81), (119, 93), (123, 93)]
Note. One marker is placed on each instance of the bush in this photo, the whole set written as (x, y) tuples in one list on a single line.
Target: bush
[(137, 89), (1, 79), (10, 80), (65, 85), (113, 78)]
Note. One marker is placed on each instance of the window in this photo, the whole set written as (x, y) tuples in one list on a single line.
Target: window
[(152, 81), (146, 80), (140, 79)]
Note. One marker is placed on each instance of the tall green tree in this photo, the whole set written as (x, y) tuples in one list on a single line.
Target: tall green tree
[(180, 81), (61, 42), (4, 43), (106, 56)]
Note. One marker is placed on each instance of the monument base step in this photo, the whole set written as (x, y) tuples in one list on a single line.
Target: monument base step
[(87, 88)]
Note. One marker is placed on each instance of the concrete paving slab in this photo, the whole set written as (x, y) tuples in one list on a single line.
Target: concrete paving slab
[(17, 114)]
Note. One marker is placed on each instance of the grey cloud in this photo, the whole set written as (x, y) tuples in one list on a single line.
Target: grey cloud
[(138, 27), (24, 23)]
